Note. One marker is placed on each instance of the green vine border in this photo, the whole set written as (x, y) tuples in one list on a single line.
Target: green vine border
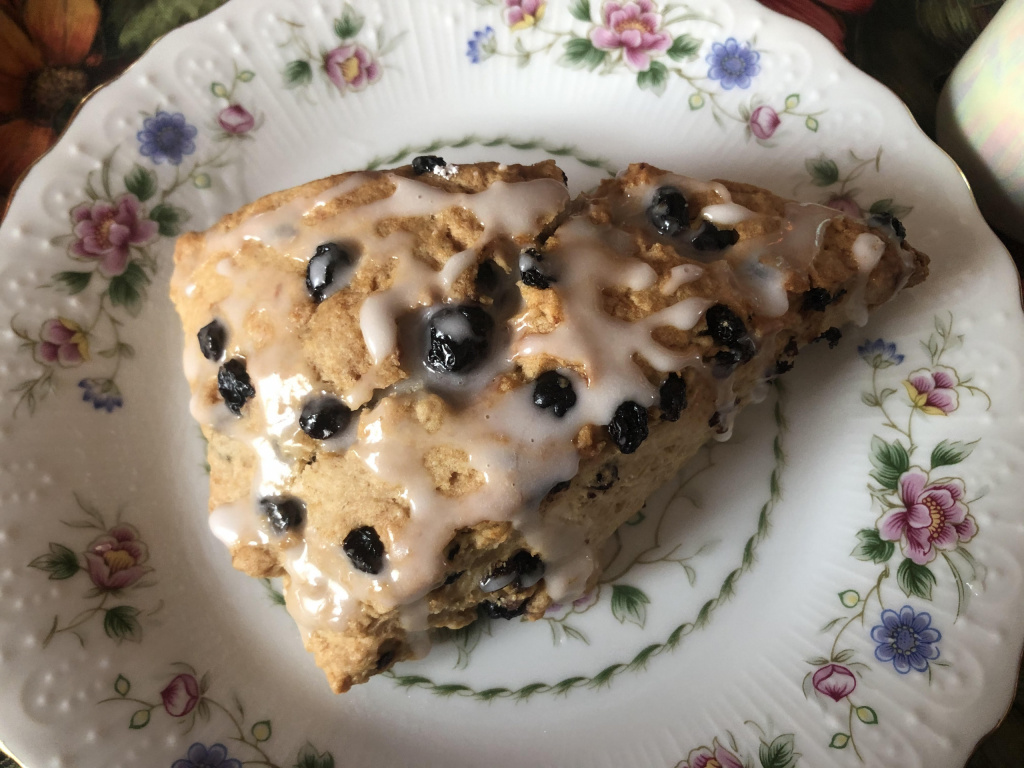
[(557, 150), (639, 661)]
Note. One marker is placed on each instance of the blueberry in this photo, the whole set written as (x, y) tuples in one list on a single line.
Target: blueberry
[(553, 390), (816, 300), (427, 164), (457, 338), (212, 338), (234, 385), (499, 611), (711, 238), (487, 276), (284, 513), (888, 221), (668, 212), (832, 336), (724, 325), (673, 397), (605, 478), (529, 261), (628, 427), (364, 549), (323, 417), (320, 272)]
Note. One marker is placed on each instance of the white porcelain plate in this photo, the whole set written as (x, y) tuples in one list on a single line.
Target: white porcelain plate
[(839, 585)]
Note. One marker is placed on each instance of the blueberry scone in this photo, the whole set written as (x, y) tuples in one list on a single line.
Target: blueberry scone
[(434, 393)]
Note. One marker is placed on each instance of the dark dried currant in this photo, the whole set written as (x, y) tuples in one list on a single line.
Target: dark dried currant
[(320, 272), (457, 338), (234, 385), (427, 164), (558, 487), (529, 268), (384, 660), (783, 366), (628, 428), (487, 276), (832, 336), (888, 221), (711, 238), (668, 211), (499, 611), (529, 567), (724, 326), (499, 577), (606, 477), (553, 390), (673, 397), (451, 578), (324, 417), (364, 549), (816, 300), (284, 513), (792, 349), (212, 338)]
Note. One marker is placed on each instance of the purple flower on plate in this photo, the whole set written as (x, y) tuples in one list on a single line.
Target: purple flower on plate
[(62, 341), (236, 119), (351, 67), (879, 353), (522, 14), (181, 695), (846, 204), (635, 27), (481, 45), (906, 639), (932, 517), (167, 136), (933, 392), (115, 559), (102, 393), (715, 756), (835, 681), (105, 232), (733, 63), (201, 756), (764, 121)]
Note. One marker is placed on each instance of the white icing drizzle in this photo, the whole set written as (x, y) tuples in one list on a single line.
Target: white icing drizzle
[(867, 252), (515, 452)]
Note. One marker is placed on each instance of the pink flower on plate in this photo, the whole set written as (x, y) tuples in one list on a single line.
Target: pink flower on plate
[(236, 119), (835, 681), (715, 756), (932, 517), (115, 559), (105, 231), (845, 204), (181, 695), (521, 14), (351, 67), (763, 122), (62, 341), (933, 392), (632, 26)]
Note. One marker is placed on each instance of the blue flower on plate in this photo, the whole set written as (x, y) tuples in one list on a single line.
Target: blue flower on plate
[(167, 136), (481, 45), (201, 756), (906, 639), (102, 393), (879, 353), (733, 63)]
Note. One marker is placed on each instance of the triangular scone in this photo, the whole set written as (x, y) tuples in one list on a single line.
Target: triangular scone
[(434, 392)]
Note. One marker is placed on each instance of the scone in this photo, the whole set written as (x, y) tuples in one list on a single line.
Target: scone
[(435, 392)]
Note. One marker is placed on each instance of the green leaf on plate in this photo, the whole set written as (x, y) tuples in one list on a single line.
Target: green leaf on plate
[(245, 75), (298, 73), (824, 171), (139, 720), (889, 206), (812, 124), (310, 758), (581, 54), (122, 686), (169, 219), (684, 47), (141, 182), (61, 563), (871, 547), (349, 23), (654, 78), (839, 740), (261, 731), (580, 9), (890, 460), (122, 623), (629, 604), (849, 598), (781, 753), (793, 101), (915, 580), (950, 452), (219, 90), (696, 101), (867, 715)]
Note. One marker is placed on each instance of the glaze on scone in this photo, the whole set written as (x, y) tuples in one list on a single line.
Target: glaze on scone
[(437, 391)]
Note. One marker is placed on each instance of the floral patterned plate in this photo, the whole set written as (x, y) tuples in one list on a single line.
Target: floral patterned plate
[(838, 585)]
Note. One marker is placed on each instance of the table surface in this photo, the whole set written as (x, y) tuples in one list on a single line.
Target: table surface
[(910, 47)]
